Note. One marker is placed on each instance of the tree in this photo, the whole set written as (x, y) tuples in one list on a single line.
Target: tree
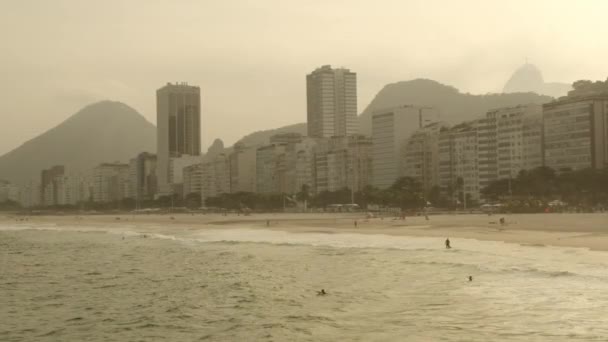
[(9, 205), (532, 189), (193, 200), (496, 189), (304, 194), (406, 193), (368, 195), (434, 196)]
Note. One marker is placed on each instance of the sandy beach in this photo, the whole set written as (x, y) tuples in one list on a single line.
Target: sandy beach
[(564, 230)]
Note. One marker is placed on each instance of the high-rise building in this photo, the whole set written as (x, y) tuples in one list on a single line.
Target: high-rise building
[(48, 186), (268, 166), (458, 167), (215, 176), (421, 155), (9, 192), (110, 182), (193, 179), (518, 143), (242, 169), (73, 189), (142, 177), (576, 132), (487, 167), (331, 102), (176, 171), (342, 162), (532, 143), (299, 165), (509, 140), (178, 111), (29, 195), (390, 128)]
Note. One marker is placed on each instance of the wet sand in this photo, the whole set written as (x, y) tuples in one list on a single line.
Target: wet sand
[(564, 230)]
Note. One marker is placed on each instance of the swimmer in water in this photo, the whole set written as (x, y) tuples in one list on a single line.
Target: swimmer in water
[(321, 293), (447, 243), (470, 278)]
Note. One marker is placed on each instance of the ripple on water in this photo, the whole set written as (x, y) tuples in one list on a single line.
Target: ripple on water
[(166, 289)]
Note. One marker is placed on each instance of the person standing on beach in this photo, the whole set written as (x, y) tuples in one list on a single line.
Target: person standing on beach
[(447, 243)]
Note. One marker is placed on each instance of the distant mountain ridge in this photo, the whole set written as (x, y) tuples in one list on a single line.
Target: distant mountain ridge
[(105, 131), (529, 78), (453, 105), (112, 131)]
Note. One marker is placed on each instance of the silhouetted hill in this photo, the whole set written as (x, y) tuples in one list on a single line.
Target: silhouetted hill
[(101, 132), (529, 78), (453, 105), (263, 137)]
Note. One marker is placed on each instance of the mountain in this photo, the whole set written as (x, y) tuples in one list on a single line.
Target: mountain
[(263, 137), (105, 131), (453, 105), (529, 78)]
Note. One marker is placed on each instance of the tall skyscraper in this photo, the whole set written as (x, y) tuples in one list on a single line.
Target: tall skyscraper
[(331, 102), (178, 124)]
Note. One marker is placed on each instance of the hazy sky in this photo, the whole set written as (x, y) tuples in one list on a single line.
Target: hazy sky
[(250, 58)]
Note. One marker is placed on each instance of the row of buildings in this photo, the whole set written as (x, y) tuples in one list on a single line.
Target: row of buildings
[(564, 135), (567, 134), (107, 182)]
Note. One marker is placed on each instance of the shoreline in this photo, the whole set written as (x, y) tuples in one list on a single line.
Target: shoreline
[(560, 230)]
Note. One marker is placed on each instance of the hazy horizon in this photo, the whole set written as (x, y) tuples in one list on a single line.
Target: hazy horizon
[(250, 59)]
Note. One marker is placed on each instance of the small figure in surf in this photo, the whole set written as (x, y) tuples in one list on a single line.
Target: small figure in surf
[(321, 293), (355, 223), (502, 221), (447, 243), (470, 278)]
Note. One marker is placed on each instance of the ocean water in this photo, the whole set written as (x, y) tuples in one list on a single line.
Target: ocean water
[(175, 284)]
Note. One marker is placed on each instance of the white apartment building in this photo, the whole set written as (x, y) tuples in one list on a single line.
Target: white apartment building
[(331, 102), (458, 173), (390, 128), (177, 166), (110, 182), (193, 179), (342, 162), (9, 192), (243, 169), (29, 194), (420, 155), (268, 165), (215, 177), (518, 143), (575, 132)]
